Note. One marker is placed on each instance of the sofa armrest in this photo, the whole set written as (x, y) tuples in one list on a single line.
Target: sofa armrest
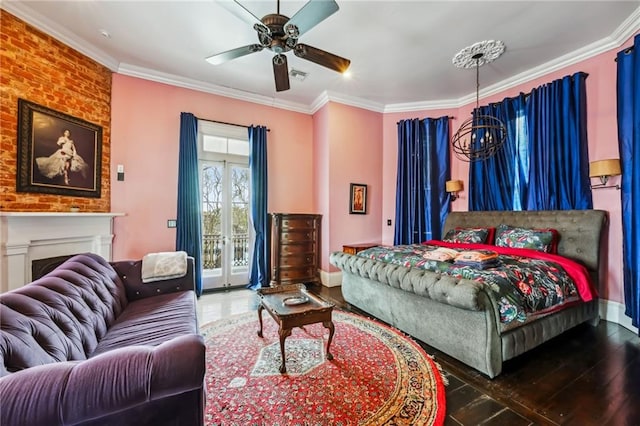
[(79, 391), (130, 273)]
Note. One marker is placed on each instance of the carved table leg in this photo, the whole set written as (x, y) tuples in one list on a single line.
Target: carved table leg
[(329, 325), (284, 333), (260, 308)]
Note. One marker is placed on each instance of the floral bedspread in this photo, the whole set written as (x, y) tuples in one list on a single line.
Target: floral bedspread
[(522, 285)]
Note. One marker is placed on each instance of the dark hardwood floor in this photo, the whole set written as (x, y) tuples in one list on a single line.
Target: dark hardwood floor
[(586, 376)]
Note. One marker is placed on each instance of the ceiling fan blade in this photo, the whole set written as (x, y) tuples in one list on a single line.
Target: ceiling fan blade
[(321, 57), (281, 72), (311, 14), (234, 53), (243, 13)]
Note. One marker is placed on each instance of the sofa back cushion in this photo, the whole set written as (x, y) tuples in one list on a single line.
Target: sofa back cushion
[(62, 316)]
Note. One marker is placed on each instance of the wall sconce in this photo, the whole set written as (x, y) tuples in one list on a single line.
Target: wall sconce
[(604, 169), (453, 187)]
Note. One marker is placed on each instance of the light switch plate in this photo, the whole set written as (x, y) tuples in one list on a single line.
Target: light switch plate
[(172, 223)]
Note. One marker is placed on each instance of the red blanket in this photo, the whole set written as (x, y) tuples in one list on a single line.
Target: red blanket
[(576, 271)]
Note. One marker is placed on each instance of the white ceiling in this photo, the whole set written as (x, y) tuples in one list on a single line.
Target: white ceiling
[(401, 51)]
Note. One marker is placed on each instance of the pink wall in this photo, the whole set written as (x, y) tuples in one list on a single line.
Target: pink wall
[(356, 157), (145, 139), (314, 159), (322, 173), (351, 152)]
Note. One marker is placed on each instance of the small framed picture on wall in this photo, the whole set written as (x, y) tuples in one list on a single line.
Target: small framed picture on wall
[(358, 199)]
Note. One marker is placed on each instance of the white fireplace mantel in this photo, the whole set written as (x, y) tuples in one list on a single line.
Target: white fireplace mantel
[(28, 236)]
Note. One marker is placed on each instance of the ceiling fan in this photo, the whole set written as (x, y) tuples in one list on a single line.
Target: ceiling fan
[(280, 34)]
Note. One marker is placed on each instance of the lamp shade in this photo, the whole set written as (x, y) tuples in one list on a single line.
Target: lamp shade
[(610, 167), (454, 185)]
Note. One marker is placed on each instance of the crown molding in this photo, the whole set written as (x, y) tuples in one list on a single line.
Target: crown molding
[(319, 102), (616, 39), (327, 96), (620, 35), (174, 80), (627, 29), (422, 106), (44, 24)]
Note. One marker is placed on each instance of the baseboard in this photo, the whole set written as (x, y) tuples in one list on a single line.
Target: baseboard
[(614, 312), (331, 279)]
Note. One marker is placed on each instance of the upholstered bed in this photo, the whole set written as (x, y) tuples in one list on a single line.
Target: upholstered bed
[(460, 316)]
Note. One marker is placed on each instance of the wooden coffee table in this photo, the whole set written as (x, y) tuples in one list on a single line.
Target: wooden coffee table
[(285, 305)]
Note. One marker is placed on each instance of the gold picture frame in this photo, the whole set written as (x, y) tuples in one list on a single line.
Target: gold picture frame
[(57, 153)]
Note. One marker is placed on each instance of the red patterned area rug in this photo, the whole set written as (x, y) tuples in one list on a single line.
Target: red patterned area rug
[(377, 376)]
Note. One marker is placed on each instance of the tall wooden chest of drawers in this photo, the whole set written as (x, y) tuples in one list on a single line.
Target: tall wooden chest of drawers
[(295, 248)]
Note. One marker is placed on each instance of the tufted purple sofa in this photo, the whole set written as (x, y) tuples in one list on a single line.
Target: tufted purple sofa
[(90, 344)]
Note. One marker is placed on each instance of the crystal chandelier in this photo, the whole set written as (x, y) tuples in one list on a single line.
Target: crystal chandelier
[(480, 136)]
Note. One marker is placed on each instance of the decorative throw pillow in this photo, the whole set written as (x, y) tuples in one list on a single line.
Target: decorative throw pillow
[(469, 235), (545, 240)]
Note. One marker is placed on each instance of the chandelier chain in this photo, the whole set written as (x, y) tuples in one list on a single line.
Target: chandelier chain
[(480, 136), (477, 83)]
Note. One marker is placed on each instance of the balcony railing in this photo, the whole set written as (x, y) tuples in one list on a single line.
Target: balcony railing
[(213, 244)]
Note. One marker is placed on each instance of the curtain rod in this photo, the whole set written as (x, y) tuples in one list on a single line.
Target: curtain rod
[(227, 123), (625, 51), (450, 117)]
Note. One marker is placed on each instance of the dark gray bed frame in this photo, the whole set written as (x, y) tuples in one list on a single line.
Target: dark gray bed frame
[(458, 316)]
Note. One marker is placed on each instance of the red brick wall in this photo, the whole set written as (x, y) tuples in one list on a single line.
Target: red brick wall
[(40, 69)]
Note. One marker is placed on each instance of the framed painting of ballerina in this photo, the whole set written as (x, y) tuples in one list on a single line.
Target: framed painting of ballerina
[(57, 153)]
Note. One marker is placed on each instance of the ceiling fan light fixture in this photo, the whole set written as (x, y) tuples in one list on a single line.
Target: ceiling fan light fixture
[(292, 31), (481, 136)]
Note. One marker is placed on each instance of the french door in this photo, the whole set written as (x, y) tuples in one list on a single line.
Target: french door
[(227, 239)]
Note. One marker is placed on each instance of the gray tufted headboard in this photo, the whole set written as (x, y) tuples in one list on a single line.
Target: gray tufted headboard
[(580, 230)]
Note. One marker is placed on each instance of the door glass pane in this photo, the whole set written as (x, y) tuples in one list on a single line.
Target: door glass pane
[(212, 186), (240, 215)]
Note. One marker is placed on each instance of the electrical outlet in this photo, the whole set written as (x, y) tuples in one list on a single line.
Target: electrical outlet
[(388, 222), (172, 223)]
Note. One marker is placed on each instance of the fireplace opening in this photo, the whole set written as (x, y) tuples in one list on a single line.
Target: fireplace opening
[(41, 267)]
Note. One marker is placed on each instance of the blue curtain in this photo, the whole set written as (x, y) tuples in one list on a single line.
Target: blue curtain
[(628, 89), (189, 215), (423, 168), (494, 184), (437, 170), (544, 163), (258, 169), (410, 224), (558, 146)]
